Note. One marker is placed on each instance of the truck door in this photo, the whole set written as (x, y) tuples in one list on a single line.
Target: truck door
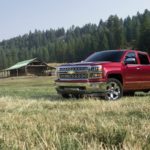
[(144, 70), (131, 72)]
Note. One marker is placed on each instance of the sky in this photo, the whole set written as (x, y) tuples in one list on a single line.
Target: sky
[(18, 17)]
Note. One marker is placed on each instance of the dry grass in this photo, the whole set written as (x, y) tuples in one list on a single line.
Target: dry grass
[(33, 116)]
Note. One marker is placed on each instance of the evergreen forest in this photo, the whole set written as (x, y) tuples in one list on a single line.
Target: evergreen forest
[(76, 43)]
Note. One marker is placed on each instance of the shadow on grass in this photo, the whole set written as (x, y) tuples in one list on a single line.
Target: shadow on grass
[(138, 94), (53, 96), (50, 97), (57, 97)]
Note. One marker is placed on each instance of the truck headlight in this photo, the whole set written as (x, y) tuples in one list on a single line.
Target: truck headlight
[(96, 72), (96, 68)]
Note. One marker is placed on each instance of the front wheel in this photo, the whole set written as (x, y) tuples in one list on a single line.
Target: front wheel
[(114, 89)]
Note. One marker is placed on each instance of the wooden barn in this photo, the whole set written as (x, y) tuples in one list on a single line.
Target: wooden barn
[(29, 67)]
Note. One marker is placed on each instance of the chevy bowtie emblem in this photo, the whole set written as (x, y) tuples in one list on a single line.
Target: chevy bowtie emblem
[(71, 72)]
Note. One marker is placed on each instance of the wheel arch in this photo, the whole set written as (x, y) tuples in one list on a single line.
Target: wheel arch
[(116, 76)]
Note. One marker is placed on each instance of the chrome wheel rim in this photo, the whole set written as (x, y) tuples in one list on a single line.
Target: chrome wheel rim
[(112, 91)]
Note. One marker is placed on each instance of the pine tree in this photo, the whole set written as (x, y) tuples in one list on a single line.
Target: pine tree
[(144, 42), (104, 45)]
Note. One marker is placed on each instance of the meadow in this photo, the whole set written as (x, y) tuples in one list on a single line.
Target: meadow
[(34, 117)]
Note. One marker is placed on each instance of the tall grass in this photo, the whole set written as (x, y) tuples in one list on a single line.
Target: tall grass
[(33, 116)]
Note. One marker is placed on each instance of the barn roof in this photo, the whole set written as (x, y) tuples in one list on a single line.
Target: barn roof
[(21, 64)]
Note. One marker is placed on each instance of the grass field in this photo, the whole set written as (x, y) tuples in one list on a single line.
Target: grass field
[(33, 116)]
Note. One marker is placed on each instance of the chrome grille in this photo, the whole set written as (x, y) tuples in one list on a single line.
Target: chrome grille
[(75, 72), (74, 76), (73, 68)]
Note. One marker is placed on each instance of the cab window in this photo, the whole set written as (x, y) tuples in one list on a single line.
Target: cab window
[(143, 59), (131, 58)]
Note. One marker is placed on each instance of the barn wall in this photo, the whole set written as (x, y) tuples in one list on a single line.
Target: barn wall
[(39, 71), (19, 72)]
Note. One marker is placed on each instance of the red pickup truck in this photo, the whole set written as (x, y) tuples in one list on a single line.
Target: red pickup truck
[(110, 73)]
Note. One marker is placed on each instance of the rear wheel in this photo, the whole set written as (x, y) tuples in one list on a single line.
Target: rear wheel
[(114, 89)]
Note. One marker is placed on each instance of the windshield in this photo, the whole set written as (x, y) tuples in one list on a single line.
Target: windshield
[(113, 56)]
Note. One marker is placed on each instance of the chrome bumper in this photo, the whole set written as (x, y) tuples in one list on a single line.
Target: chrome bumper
[(81, 88)]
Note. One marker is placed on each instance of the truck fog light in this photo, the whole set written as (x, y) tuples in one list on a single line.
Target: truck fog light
[(95, 75)]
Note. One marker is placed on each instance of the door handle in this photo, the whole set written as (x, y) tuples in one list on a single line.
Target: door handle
[(138, 68)]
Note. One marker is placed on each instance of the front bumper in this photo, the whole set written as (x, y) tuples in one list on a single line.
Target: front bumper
[(80, 87)]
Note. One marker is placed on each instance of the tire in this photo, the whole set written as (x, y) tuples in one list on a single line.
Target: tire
[(114, 89), (65, 95)]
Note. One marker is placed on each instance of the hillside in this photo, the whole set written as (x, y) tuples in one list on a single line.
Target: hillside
[(77, 43)]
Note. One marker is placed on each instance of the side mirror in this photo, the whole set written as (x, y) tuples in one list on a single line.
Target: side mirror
[(130, 61)]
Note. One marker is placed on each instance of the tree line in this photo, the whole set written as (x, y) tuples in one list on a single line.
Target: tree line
[(76, 43)]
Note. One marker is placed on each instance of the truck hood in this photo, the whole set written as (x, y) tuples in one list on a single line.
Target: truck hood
[(87, 63)]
